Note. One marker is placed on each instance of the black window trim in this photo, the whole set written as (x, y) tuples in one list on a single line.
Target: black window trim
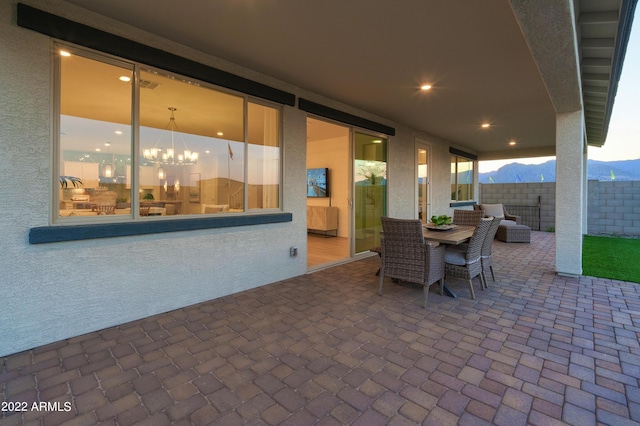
[(344, 117), (87, 36), (462, 154)]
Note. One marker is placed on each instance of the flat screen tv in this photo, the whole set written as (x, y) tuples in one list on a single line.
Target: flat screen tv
[(318, 182)]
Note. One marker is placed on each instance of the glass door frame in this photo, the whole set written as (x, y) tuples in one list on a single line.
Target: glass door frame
[(422, 144), (385, 208)]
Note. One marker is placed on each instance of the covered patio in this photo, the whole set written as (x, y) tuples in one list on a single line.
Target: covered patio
[(324, 348)]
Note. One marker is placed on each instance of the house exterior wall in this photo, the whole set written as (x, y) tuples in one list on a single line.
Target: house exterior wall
[(59, 290)]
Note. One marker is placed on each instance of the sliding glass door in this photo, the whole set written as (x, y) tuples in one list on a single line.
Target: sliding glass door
[(370, 189)]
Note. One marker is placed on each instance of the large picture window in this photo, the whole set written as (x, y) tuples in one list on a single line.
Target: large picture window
[(200, 150)]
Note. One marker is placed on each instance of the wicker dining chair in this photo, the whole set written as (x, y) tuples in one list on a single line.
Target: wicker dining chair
[(485, 252), (487, 245), (406, 256), (468, 264), (467, 217)]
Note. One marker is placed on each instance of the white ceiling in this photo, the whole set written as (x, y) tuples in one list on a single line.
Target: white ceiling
[(375, 55)]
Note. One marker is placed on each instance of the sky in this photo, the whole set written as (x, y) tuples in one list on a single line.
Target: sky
[(623, 140)]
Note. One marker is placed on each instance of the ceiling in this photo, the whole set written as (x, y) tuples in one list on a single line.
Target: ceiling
[(474, 54)]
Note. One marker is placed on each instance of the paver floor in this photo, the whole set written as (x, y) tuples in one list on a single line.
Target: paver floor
[(324, 348)]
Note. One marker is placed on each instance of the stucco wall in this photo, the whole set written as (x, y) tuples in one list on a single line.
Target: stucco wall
[(60, 290), (54, 291)]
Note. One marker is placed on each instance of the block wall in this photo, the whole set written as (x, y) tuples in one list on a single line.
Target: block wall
[(524, 194), (613, 207)]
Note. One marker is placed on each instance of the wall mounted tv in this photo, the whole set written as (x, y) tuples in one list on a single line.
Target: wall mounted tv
[(318, 182)]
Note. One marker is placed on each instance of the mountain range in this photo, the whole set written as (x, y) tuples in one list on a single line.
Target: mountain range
[(546, 172)]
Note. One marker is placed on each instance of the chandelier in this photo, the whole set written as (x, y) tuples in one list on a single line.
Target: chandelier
[(170, 156)]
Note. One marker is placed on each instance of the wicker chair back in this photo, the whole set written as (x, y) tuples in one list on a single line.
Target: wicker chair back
[(487, 245), (467, 217)]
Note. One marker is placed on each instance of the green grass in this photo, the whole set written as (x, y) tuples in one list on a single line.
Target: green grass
[(608, 257)]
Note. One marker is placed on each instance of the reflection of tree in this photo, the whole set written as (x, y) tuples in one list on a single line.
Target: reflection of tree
[(372, 171)]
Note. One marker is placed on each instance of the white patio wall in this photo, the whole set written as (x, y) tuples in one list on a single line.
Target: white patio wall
[(59, 290)]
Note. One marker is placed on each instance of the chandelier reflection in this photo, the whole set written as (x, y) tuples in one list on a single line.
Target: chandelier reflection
[(170, 156)]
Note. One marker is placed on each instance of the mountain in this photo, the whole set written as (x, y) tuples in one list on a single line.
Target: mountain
[(546, 172)]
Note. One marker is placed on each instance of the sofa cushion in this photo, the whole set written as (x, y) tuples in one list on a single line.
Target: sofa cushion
[(492, 209), (506, 222)]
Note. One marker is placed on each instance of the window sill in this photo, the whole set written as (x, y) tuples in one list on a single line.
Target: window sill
[(55, 234), (462, 203)]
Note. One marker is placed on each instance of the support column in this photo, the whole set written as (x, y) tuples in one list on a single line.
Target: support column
[(585, 189), (570, 170)]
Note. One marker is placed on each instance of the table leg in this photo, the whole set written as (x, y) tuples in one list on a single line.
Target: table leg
[(448, 291)]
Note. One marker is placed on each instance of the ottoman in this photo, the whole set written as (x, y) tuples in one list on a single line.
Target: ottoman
[(514, 233)]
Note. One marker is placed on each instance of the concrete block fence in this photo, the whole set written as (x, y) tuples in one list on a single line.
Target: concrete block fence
[(524, 194), (613, 207)]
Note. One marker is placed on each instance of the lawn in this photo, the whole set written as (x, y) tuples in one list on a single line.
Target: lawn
[(609, 257)]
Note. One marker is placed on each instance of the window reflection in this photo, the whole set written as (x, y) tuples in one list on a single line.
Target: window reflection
[(263, 157), (94, 138), (201, 150), (461, 179), (191, 147)]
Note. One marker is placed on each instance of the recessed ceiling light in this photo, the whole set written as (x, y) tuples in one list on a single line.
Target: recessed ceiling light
[(376, 141), (425, 87), (98, 150), (220, 134), (64, 53), (107, 144), (118, 132), (485, 125), (512, 143), (124, 78)]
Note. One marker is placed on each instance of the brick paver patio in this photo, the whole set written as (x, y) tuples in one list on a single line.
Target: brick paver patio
[(325, 349)]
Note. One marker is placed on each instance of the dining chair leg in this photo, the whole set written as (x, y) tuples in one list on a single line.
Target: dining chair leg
[(483, 280), (426, 294), (442, 286), (473, 295), (492, 274), (381, 283)]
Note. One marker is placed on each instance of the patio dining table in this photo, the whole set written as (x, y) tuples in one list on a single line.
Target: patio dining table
[(460, 234)]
